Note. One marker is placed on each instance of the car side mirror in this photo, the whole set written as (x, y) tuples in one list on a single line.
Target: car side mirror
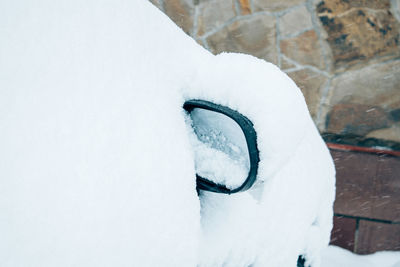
[(225, 146)]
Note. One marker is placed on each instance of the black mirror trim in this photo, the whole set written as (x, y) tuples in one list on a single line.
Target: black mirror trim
[(251, 139), (301, 261)]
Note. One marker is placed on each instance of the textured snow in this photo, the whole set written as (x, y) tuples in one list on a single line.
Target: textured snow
[(295, 167), (336, 256), (96, 163), (220, 149)]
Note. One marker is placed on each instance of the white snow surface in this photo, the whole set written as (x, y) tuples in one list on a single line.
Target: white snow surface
[(291, 212), (96, 165), (335, 256)]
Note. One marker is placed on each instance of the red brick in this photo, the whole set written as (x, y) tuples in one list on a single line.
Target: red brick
[(367, 185), (354, 182), (374, 236), (343, 232), (387, 188)]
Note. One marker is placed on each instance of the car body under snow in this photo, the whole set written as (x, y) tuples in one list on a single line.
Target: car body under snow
[(96, 165)]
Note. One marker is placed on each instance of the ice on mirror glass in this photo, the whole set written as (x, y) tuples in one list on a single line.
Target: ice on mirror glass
[(220, 148)]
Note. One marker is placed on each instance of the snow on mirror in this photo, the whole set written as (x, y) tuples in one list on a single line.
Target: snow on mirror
[(220, 140), (220, 148)]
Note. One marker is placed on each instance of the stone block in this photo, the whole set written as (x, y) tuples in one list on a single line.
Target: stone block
[(311, 84), (295, 21), (342, 6), (392, 133), (375, 236), (396, 9), (275, 5), (374, 92), (359, 31), (245, 7), (367, 185), (181, 12), (255, 36), (213, 14), (304, 49), (377, 85), (356, 119), (343, 232)]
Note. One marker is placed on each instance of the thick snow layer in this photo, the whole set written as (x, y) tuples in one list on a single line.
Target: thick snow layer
[(335, 256), (95, 162), (290, 213), (96, 165)]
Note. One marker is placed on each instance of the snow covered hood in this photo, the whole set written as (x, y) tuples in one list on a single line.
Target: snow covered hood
[(96, 168)]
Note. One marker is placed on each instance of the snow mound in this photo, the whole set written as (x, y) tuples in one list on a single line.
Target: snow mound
[(96, 167), (289, 213), (96, 164), (335, 256)]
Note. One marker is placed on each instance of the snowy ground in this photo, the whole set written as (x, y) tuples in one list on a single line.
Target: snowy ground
[(338, 257)]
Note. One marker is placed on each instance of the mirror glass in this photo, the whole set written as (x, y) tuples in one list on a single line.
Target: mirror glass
[(220, 148)]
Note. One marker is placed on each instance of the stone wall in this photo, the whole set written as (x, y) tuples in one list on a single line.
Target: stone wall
[(343, 54)]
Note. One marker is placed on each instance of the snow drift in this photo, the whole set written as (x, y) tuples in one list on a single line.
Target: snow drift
[(336, 256)]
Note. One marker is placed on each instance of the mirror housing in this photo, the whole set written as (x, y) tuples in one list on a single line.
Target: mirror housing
[(251, 140)]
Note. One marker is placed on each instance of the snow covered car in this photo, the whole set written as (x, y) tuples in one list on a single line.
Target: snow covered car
[(97, 158)]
